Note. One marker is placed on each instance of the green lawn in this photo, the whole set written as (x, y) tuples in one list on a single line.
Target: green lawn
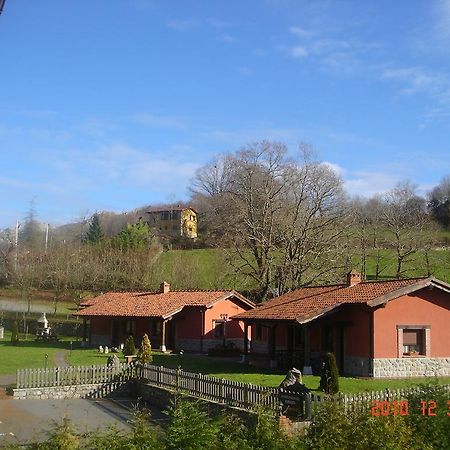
[(29, 354), (248, 374)]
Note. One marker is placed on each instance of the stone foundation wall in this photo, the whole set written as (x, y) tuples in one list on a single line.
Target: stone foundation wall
[(358, 366), (75, 391), (411, 367)]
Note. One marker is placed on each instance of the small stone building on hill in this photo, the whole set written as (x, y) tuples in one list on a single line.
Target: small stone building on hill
[(174, 222)]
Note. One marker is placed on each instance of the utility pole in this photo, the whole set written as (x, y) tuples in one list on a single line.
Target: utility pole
[(46, 237), (17, 245)]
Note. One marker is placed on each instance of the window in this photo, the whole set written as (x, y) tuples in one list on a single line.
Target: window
[(219, 328), (413, 342)]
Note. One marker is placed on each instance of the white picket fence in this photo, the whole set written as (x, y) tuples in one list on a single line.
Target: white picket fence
[(68, 376), (363, 400), (232, 393)]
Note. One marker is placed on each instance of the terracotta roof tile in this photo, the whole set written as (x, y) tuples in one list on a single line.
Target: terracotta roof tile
[(309, 302), (151, 304)]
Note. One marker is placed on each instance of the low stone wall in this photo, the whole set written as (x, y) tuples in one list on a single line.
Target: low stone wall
[(411, 367), (74, 391)]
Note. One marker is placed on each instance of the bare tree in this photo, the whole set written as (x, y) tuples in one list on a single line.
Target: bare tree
[(312, 224), (280, 215), (404, 217), (439, 202)]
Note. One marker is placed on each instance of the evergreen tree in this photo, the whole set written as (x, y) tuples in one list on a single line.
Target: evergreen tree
[(15, 333), (135, 236), (145, 351), (95, 232), (31, 235), (329, 377), (129, 347)]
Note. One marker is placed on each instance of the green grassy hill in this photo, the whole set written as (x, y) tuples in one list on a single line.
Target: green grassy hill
[(211, 269)]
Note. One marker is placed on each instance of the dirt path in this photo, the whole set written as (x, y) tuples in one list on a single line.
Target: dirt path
[(60, 359)]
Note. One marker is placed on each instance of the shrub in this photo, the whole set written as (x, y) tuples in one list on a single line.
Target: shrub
[(190, 427), (334, 427), (129, 348), (329, 377), (61, 437), (145, 351), (15, 333), (436, 428)]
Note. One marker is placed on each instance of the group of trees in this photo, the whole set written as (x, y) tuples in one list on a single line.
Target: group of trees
[(289, 222), (284, 220), (283, 217)]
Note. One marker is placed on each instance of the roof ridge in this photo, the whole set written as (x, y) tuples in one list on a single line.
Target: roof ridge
[(393, 280)]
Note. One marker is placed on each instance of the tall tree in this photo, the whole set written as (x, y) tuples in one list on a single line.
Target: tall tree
[(439, 202), (31, 234), (404, 217), (95, 233), (279, 214), (135, 236)]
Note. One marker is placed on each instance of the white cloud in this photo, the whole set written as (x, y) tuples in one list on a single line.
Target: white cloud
[(298, 51), (339, 170), (417, 80), (367, 184)]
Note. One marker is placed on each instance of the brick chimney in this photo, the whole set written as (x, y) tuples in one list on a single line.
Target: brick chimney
[(353, 278), (164, 287)]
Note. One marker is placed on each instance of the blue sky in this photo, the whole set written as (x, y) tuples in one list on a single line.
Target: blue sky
[(109, 105)]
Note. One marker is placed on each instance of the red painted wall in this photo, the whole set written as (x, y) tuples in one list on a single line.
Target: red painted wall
[(356, 335), (189, 323), (231, 307), (101, 325), (424, 307)]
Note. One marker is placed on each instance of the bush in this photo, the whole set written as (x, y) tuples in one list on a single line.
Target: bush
[(15, 333), (329, 377), (145, 351), (334, 427), (190, 427), (436, 428), (129, 348)]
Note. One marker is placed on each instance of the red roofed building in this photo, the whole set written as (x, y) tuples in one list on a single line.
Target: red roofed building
[(382, 329), (188, 320)]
